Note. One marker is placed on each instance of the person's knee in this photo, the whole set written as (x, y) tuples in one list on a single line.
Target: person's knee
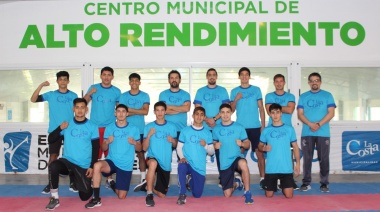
[(197, 195), (122, 196), (288, 196), (84, 196), (269, 195)]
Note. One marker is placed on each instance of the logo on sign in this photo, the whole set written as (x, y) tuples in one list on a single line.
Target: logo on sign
[(361, 149), (16, 151)]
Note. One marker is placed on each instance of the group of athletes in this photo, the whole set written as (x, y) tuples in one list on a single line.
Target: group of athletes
[(212, 132)]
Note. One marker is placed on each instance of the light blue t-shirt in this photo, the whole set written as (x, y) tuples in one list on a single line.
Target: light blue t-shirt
[(60, 107), (282, 100), (176, 99), (193, 151), (136, 102), (247, 108), (121, 152), (315, 107), (159, 147), (78, 142), (211, 99), (103, 104), (227, 135), (279, 158)]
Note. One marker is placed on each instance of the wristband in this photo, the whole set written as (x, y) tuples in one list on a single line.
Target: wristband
[(214, 118)]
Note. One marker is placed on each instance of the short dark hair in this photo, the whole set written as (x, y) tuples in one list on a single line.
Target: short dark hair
[(107, 68), (225, 105), (134, 75), (278, 76), (275, 106), (122, 106), (80, 100), (62, 74), (211, 69), (245, 69), (314, 74), (160, 103), (199, 108), (174, 72)]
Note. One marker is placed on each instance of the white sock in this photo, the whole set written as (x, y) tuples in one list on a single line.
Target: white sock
[(109, 180), (54, 193), (261, 178), (143, 175)]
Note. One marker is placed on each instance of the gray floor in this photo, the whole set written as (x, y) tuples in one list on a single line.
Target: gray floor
[(34, 179)]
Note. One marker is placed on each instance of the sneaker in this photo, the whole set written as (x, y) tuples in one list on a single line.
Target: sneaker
[(73, 187), (54, 203), (93, 203), (149, 200), (113, 185), (305, 187), (262, 184), (46, 190), (324, 188), (295, 186), (220, 184), (181, 199), (188, 178), (239, 183), (141, 186), (248, 198)]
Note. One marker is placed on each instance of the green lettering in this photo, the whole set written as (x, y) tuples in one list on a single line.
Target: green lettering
[(32, 37), (276, 33), (309, 35), (248, 31), (133, 38), (217, 9), (360, 33), (198, 28), (329, 34), (263, 34), (73, 33), (102, 10), (174, 33), (50, 42), (86, 8), (150, 34), (104, 35), (139, 7), (250, 7), (175, 7), (222, 34), (153, 11)]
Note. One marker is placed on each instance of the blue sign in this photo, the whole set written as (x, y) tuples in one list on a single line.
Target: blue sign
[(360, 150), (16, 151)]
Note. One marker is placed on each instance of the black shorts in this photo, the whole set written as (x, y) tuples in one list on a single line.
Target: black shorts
[(55, 147), (227, 176), (162, 178), (270, 181), (254, 136)]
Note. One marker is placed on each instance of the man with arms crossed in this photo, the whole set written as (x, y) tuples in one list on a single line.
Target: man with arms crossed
[(194, 143), (60, 110), (122, 140), (159, 139), (275, 140), (81, 139), (138, 107), (248, 103), (315, 109), (229, 137)]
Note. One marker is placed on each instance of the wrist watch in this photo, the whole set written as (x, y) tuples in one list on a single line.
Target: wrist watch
[(214, 118)]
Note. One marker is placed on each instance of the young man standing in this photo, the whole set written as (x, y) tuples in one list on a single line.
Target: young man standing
[(138, 107), (229, 137), (177, 101), (315, 109), (248, 103), (275, 140), (122, 140), (159, 139), (104, 98), (194, 143), (60, 110), (287, 102), (81, 139)]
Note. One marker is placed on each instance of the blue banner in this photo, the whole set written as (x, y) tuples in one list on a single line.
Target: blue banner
[(16, 151)]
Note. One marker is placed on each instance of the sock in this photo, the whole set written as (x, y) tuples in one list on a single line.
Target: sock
[(54, 193), (149, 192), (261, 178), (143, 175), (109, 180), (96, 193)]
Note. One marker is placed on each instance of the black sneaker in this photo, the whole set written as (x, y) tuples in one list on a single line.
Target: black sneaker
[(53, 204), (149, 200), (46, 190), (324, 188), (295, 186), (113, 185), (262, 184), (220, 184), (93, 203), (305, 187), (181, 199), (188, 178), (141, 186), (73, 187)]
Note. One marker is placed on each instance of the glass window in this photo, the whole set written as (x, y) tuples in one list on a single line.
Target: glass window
[(17, 86), (355, 90)]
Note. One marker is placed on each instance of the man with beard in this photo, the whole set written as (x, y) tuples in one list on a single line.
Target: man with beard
[(315, 109), (177, 101), (211, 97)]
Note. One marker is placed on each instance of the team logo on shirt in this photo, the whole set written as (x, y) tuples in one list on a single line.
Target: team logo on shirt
[(279, 101), (16, 151), (64, 99), (226, 132), (314, 103), (134, 103), (174, 99), (209, 97), (102, 99), (360, 150)]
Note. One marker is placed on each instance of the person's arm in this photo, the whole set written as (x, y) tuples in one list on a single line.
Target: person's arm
[(142, 111), (179, 150), (262, 113), (330, 114), (296, 153), (243, 144), (147, 139), (171, 109), (87, 97), (289, 109), (36, 93), (234, 103), (301, 116), (56, 134)]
